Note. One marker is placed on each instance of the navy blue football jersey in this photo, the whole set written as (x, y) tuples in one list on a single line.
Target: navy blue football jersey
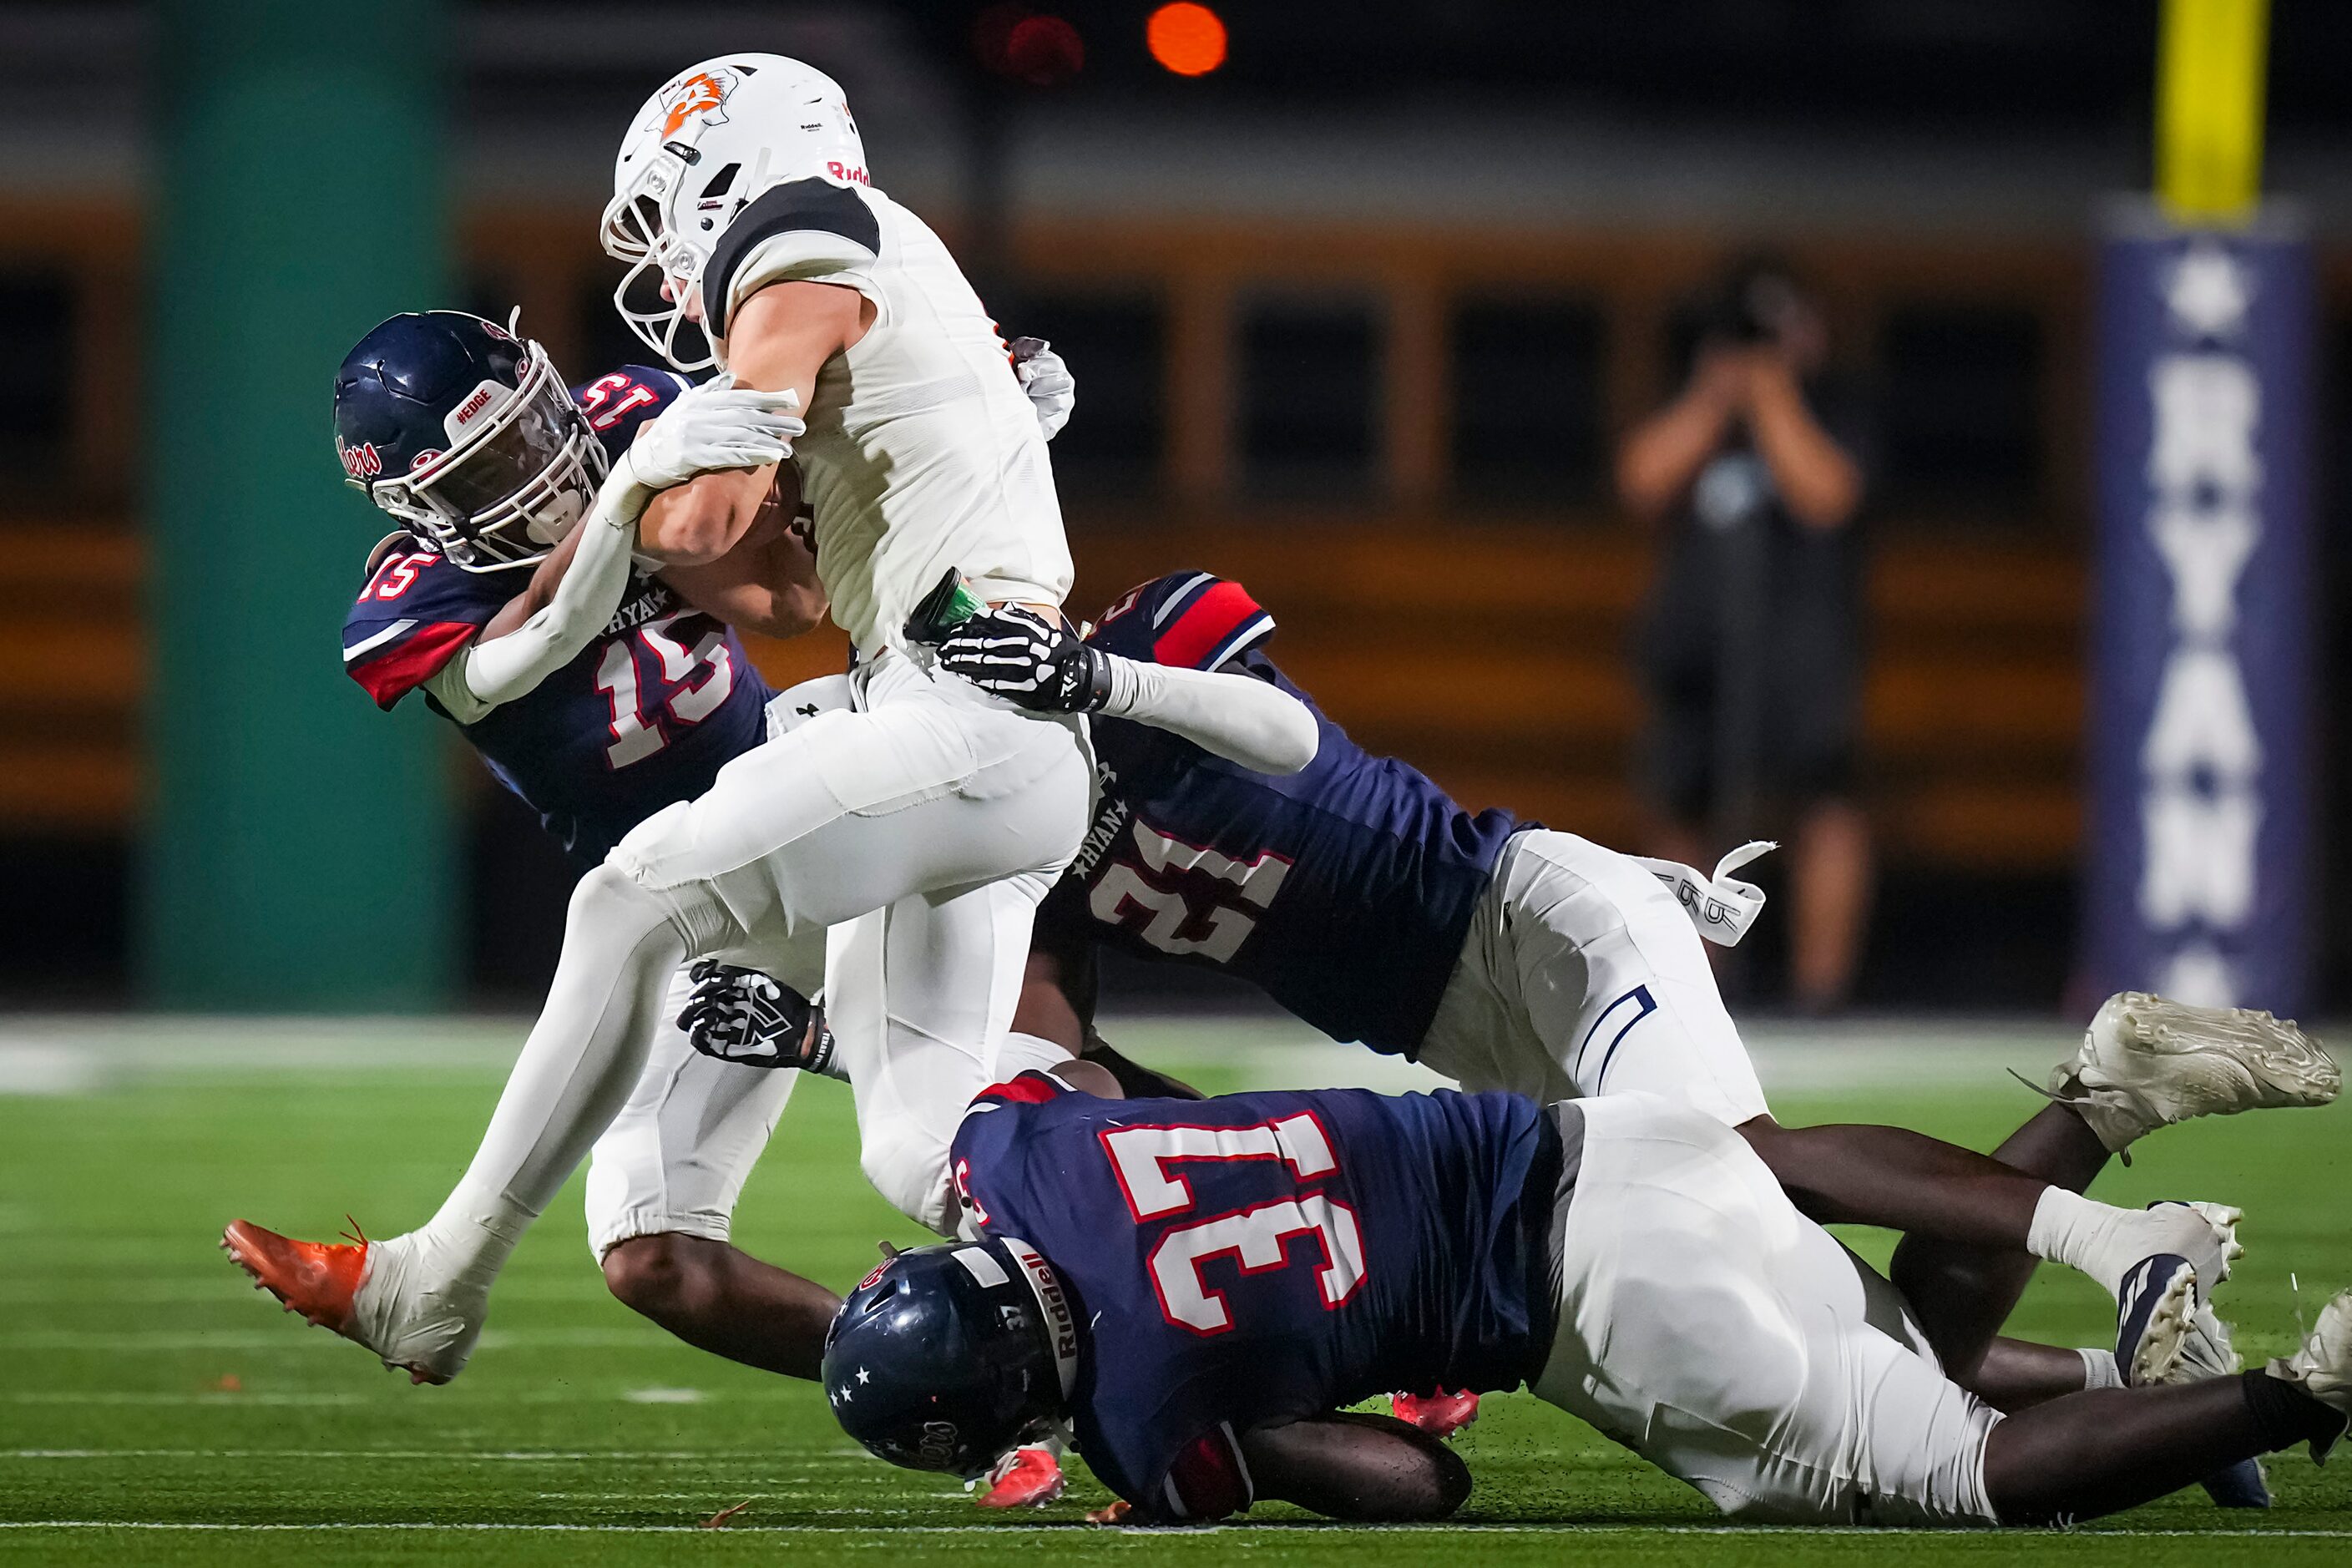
[(1260, 1259), (1344, 891), (645, 716)]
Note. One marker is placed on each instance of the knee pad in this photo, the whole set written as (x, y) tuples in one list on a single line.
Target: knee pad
[(646, 852), (608, 894)]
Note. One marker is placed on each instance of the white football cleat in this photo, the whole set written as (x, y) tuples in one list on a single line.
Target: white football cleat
[(361, 1289), (2146, 1062), (2166, 1330), (2323, 1367), (428, 1333), (2207, 1350)]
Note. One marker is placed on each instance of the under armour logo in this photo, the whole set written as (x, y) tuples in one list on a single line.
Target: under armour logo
[(806, 709)]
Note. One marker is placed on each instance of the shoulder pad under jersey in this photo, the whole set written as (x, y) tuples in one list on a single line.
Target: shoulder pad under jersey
[(1195, 619), (831, 228)]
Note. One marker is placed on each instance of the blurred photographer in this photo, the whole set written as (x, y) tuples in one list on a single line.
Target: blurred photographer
[(1751, 652)]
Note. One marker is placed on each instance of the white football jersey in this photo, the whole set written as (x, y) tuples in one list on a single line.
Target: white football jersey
[(922, 452)]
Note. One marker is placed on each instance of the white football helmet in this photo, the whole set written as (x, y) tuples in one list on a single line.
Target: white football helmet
[(715, 135)]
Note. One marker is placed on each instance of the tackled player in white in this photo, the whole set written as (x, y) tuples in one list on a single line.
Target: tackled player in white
[(940, 811)]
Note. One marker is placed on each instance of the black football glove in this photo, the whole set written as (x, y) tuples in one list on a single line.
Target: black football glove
[(744, 1015), (1029, 660)]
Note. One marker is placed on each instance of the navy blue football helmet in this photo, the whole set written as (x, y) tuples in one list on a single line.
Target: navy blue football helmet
[(945, 1357), (468, 436)]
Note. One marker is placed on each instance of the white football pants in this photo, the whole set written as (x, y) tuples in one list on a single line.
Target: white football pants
[(1580, 974), (675, 1157), (1716, 1331), (939, 811)]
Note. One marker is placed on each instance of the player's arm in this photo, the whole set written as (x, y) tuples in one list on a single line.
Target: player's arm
[(768, 583), (1042, 664), (777, 340), (538, 595), (1057, 1001), (1057, 1004), (1348, 1465), (714, 426), (1356, 1466)]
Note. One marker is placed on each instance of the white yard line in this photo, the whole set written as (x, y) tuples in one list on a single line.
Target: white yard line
[(398, 1395), (473, 1456), (74, 1397), (879, 1529), (129, 1339), (54, 1054)]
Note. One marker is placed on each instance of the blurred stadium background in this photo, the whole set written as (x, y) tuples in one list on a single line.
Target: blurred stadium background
[(1358, 309), (1360, 299)]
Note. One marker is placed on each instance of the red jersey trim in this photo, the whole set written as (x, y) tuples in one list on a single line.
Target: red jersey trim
[(1209, 1480), (1032, 1088), (413, 660)]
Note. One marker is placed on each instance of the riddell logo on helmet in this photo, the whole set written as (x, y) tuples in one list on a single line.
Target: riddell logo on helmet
[(361, 462), (702, 93), (845, 172)]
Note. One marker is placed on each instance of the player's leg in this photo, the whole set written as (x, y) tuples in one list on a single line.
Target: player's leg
[(1745, 1355), (662, 1186), (1715, 1330), (1877, 1409), (1962, 1292), (2096, 1452), (1614, 995), (2143, 1063), (938, 799), (418, 1300), (921, 997), (838, 818)]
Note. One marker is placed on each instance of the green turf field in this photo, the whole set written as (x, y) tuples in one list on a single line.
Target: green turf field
[(157, 1411)]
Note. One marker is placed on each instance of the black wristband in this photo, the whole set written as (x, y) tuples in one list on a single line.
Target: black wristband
[(1097, 679)]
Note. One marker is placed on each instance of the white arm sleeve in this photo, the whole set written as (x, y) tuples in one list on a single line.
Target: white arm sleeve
[(1239, 717), (485, 674)]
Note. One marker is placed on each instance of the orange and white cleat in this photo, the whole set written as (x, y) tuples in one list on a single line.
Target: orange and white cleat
[(337, 1285), (1441, 1414), (1026, 1477), (316, 1279)]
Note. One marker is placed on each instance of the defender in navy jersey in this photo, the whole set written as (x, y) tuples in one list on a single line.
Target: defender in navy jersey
[(598, 711), (1358, 895), (1343, 889), (1262, 1260), (1196, 1284), (1363, 899), (466, 434), (643, 716)]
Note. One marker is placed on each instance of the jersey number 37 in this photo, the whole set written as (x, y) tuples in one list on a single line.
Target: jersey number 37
[(1257, 1238)]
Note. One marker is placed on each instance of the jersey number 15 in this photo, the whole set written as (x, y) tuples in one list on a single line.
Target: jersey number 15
[(637, 734)]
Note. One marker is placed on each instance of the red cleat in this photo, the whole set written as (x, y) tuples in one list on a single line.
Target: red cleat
[(1440, 1414), (1026, 1477), (316, 1279)]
